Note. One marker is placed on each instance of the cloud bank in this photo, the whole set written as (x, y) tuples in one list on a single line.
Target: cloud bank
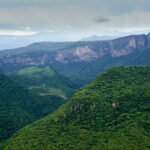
[(75, 17)]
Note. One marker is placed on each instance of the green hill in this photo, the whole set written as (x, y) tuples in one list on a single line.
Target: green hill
[(19, 107), (34, 70), (45, 81), (111, 113)]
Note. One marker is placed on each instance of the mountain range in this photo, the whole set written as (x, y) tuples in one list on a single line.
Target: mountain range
[(79, 61), (55, 82)]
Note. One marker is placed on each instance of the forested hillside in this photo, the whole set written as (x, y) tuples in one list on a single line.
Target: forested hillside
[(111, 113), (19, 107)]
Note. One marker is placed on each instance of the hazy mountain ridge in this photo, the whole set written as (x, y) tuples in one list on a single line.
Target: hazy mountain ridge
[(98, 38), (16, 41), (74, 59), (97, 50)]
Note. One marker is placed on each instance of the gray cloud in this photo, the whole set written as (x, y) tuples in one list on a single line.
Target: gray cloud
[(57, 15), (102, 20)]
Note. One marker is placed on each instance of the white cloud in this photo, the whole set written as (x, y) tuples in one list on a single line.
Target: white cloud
[(16, 32)]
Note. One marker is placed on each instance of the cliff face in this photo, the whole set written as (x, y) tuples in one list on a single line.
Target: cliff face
[(115, 48), (148, 40), (75, 58), (87, 51)]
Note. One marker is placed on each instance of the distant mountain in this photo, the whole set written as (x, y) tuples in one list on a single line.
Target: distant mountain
[(19, 107), (98, 38), (37, 47), (80, 61), (16, 41), (111, 113)]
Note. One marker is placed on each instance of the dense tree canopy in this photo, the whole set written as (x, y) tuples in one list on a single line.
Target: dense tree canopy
[(110, 113), (19, 107)]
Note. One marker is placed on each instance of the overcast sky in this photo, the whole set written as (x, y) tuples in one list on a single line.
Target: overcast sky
[(74, 18)]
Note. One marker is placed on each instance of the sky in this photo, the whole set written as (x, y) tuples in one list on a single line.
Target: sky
[(74, 19)]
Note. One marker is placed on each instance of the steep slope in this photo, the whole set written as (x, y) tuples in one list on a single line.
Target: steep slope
[(45, 81), (111, 113), (19, 107), (80, 61)]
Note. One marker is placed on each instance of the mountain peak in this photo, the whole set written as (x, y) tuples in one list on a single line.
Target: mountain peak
[(98, 38)]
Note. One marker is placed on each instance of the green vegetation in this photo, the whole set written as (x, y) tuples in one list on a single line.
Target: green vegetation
[(45, 81), (29, 95), (111, 113), (34, 70), (19, 107)]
